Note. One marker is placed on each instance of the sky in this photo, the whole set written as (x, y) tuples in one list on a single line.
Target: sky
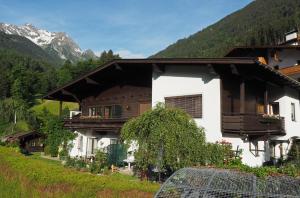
[(132, 28)]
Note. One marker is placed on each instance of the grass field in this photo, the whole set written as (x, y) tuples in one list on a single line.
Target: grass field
[(33, 176), (53, 106)]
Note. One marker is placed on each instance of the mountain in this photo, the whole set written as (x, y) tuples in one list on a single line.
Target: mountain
[(261, 22), (25, 47), (54, 43)]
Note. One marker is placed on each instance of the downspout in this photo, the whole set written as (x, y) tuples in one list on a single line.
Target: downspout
[(86, 147)]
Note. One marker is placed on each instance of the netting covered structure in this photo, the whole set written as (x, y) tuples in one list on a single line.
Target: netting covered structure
[(209, 182)]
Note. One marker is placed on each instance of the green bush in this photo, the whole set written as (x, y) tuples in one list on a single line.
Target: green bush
[(57, 135), (78, 164), (100, 163), (167, 138), (63, 154)]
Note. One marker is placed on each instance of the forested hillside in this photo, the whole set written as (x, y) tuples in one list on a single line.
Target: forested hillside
[(25, 47), (261, 22), (25, 78)]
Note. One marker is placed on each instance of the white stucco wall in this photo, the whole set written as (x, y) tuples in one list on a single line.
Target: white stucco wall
[(190, 80), (248, 156), (292, 128), (102, 142)]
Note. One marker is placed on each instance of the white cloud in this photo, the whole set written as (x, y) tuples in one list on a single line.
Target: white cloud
[(129, 54)]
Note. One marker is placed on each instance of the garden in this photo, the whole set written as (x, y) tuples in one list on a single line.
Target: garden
[(33, 176), (164, 147)]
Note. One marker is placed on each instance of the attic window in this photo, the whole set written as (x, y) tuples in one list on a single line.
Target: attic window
[(191, 104)]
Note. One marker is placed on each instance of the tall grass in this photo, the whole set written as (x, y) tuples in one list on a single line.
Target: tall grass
[(31, 176)]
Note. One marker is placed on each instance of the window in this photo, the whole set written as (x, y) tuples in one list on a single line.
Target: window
[(92, 145), (80, 143), (191, 104), (113, 141), (92, 111), (293, 112), (274, 108), (111, 111), (116, 111)]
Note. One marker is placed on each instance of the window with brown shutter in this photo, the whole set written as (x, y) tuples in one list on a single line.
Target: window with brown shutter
[(191, 104)]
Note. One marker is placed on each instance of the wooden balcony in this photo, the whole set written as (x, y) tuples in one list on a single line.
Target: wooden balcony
[(94, 123), (252, 124)]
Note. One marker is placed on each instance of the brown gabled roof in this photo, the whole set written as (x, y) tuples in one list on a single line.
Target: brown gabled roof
[(145, 65)]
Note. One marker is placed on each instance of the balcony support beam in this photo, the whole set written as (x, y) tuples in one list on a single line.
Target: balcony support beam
[(266, 100), (60, 108), (242, 97)]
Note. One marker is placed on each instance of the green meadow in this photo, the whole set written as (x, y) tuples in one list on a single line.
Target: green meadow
[(52, 106), (33, 176)]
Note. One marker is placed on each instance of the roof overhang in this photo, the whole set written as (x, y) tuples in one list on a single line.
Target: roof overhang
[(139, 71)]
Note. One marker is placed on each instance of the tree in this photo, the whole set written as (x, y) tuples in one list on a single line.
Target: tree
[(57, 135), (65, 73), (166, 138)]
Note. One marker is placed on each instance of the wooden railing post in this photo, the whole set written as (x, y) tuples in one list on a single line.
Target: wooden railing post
[(266, 101), (60, 108)]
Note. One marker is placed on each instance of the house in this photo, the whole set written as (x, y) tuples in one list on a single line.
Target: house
[(292, 38), (238, 99), (29, 141), (108, 97), (284, 57)]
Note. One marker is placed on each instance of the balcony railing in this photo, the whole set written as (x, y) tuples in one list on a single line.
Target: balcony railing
[(252, 124), (95, 122)]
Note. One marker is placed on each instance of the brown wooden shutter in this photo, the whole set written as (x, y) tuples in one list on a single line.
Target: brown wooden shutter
[(191, 104)]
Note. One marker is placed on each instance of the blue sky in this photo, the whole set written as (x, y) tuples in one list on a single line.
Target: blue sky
[(133, 28)]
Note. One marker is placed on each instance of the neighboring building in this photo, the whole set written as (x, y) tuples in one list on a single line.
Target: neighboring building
[(108, 97), (292, 38), (284, 57), (240, 100), (279, 56), (29, 141)]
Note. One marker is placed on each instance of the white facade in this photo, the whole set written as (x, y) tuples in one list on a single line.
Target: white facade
[(192, 80), (86, 143)]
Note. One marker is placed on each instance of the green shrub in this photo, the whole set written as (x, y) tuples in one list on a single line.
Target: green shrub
[(57, 135), (100, 163), (70, 162), (63, 154), (47, 150), (75, 163), (214, 154), (167, 138)]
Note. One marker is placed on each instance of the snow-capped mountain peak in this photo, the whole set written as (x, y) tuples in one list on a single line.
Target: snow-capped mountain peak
[(53, 42)]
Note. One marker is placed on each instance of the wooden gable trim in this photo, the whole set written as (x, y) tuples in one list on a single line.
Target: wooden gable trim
[(291, 70)]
